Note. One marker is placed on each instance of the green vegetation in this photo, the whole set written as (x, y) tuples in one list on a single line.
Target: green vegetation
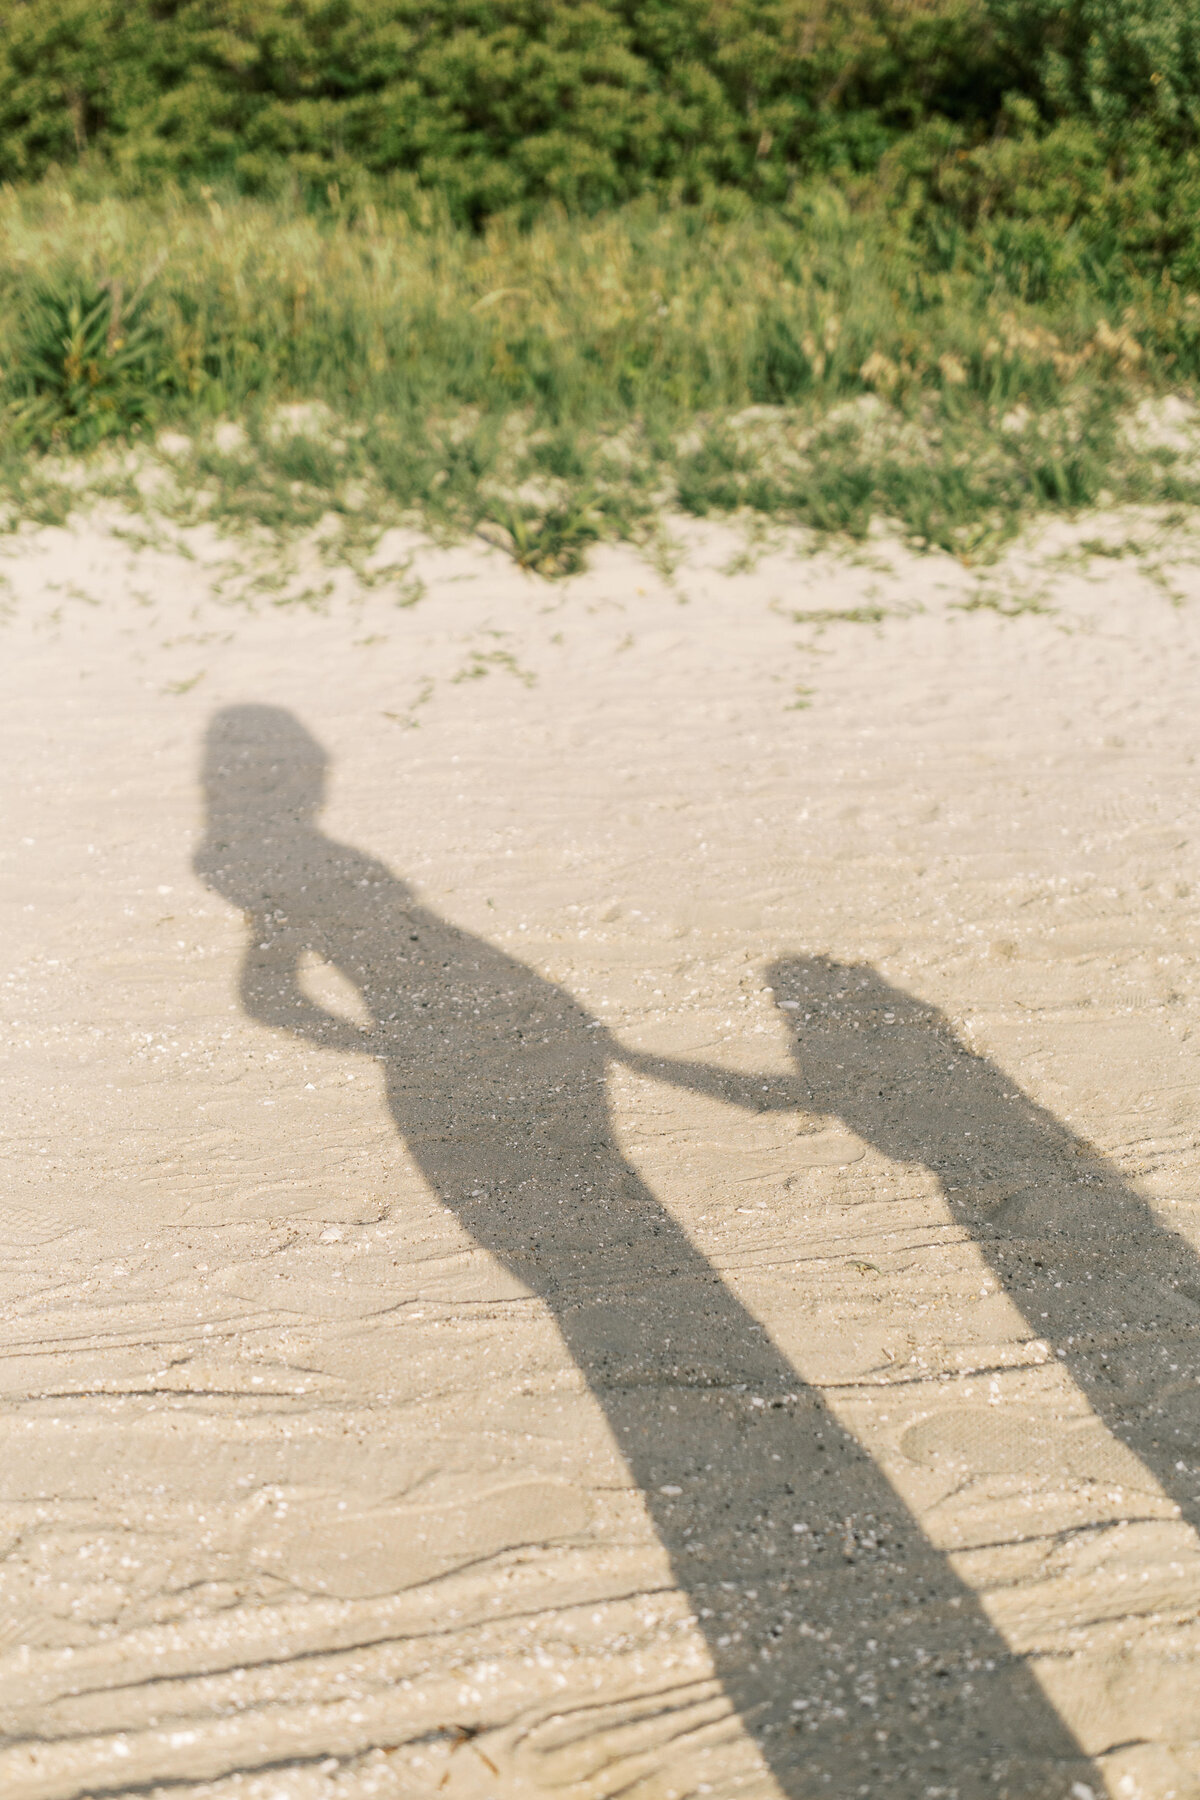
[(495, 104), (566, 381), (552, 268), (488, 103)]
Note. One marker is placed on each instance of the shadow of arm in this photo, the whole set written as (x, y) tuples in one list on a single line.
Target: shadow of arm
[(757, 1093), (270, 992)]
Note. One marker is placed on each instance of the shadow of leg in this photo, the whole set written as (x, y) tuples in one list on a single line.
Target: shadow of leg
[(855, 1657)]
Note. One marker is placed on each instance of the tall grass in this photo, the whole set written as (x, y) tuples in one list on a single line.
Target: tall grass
[(567, 379)]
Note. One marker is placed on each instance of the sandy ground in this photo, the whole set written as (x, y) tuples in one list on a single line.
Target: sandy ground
[(650, 1246)]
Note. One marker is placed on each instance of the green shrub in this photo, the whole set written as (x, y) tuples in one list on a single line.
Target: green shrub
[(1044, 208), (85, 363), (489, 103), (1119, 63), (479, 107)]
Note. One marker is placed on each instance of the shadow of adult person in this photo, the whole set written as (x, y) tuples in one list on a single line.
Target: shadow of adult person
[(853, 1654), (1099, 1277)]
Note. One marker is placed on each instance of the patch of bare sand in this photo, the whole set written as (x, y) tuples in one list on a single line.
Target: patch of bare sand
[(650, 1246)]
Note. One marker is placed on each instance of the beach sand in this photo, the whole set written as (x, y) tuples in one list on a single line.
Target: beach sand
[(601, 1183)]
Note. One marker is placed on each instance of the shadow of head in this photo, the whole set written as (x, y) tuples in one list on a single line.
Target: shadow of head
[(894, 1070), (262, 770)]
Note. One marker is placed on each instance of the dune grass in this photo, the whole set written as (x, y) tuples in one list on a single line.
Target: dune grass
[(571, 380)]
